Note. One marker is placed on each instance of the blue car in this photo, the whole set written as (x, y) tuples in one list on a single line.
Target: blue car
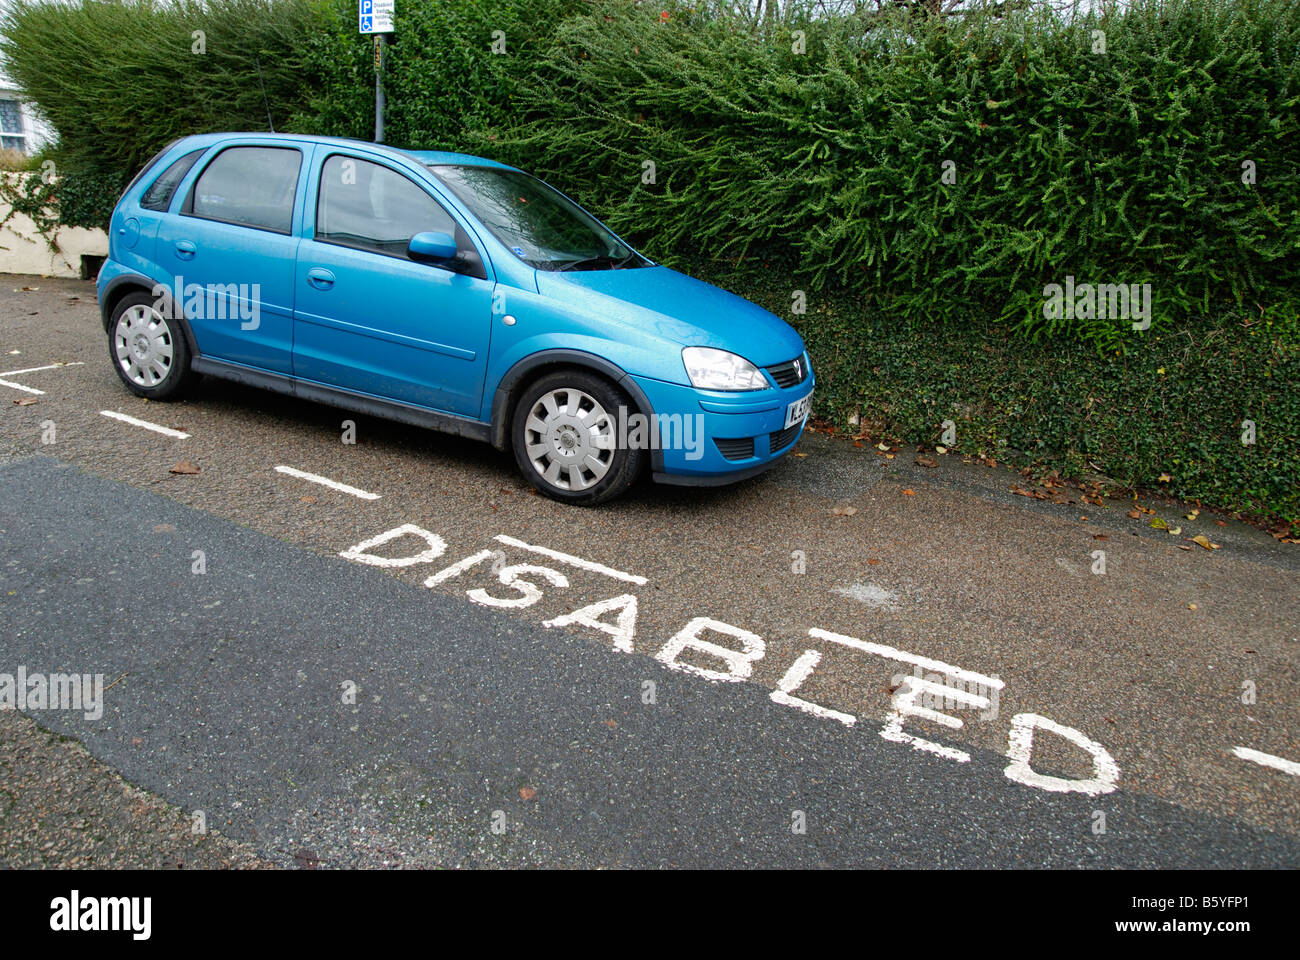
[(448, 292)]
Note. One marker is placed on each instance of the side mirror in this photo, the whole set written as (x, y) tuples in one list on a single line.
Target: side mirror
[(432, 247)]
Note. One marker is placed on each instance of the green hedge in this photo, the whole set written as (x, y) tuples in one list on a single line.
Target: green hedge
[(1175, 408), (445, 87), (1122, 167), (120, 80)]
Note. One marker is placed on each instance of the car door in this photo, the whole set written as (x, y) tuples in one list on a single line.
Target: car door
[(370, 320), (230, 253)]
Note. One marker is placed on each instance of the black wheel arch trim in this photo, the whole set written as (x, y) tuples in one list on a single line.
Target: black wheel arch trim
[(559, 356), (145, 285)]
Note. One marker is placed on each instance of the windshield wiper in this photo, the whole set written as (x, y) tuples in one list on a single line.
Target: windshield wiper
[(592, 261), (585, 261)]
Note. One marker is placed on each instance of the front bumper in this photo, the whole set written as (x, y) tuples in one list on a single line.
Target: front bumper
[(730, 436)]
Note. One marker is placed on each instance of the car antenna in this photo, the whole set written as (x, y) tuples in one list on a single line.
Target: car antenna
[(269, 122)]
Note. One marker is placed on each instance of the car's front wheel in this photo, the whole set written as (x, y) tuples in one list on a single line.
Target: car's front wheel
[(148, 349), (565, 434)]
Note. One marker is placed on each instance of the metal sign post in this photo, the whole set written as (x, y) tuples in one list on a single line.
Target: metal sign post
[(375, 17), (379, 88)]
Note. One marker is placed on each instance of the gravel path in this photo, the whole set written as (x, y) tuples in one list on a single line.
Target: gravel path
[(62, 808)]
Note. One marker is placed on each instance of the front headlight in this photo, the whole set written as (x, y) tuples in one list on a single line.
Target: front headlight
[(711, 369)]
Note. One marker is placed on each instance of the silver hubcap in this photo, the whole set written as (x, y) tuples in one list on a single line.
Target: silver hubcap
[(570, 439), (144, 347)]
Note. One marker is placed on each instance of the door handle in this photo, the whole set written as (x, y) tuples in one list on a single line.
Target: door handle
[(185, 249), (320, 278)]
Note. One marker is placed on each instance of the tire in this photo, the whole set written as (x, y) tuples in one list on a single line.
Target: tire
[(564, 433), (148, 350)]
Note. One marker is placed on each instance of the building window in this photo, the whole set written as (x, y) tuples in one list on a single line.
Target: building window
[(12, 134)]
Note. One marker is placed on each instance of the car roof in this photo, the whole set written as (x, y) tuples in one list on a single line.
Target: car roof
[(427, 157)]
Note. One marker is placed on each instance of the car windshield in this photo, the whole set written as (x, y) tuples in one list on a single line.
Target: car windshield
[(538, 224)]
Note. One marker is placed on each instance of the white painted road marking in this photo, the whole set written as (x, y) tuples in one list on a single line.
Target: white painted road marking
[(925, 663), (165, 431), (327, 482), (800, 671), (1268, 760), (48, 366), (361, 552), (578, 562), (19, 386), (32, 390)]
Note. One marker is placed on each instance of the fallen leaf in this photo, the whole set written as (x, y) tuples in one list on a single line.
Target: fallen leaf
[(1100, 536), (307, 499), (184, 467), (1191, 606), (1192, 515), (527, 793), (1135, 514), (927, 462), (1175, 531), (940, 450), (1204, 541), (1220, 523), (882, 446), (1165, 478), (25, 401), (1159, 524), (843, 511), (909, 493), (873, 561), (611, 724)]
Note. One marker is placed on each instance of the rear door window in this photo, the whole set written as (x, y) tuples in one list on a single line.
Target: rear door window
[(249, 186)]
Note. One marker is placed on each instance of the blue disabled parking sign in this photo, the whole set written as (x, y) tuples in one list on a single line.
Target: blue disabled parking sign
[(375, 16)]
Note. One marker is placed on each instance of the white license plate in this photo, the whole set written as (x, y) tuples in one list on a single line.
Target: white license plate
[(798, 411)]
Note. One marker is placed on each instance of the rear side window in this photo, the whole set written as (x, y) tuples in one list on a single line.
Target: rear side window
[(249, 186), (147, 167), (159, 195), (368, 206)]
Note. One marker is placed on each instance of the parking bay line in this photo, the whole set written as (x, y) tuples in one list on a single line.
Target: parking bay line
[(19, 386), (165, 431), (570, 559), (327, 482), (32, 390), (1268, 760)]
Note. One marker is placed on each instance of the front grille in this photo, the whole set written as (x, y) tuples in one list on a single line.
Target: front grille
[(741, 448), (791, 373), (783, 438)]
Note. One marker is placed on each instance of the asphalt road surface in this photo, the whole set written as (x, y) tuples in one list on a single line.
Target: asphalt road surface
[(939, 676)]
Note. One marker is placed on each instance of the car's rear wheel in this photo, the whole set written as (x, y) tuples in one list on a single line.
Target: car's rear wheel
[(148, 349), (565, 437)]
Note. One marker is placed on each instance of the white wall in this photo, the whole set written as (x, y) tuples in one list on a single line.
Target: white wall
[(25, 250)]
